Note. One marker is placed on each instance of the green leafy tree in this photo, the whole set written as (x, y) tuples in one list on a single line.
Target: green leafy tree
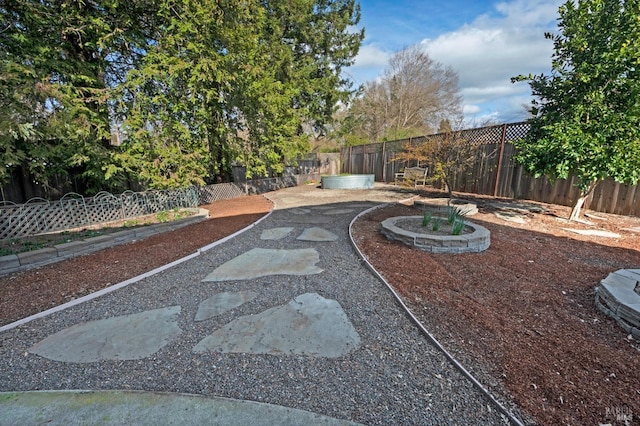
[(235, 82), (194, 86), (58, 63), (586, 113)]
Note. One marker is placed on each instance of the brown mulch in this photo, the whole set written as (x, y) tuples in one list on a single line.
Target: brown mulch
[(521, 315)]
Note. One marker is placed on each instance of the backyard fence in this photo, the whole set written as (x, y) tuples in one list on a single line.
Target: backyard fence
[(494, 171), (39, 216)]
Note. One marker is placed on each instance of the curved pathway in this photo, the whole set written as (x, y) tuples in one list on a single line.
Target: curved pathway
[(282, 324)]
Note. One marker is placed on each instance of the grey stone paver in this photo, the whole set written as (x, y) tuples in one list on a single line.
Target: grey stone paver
[(511, 217), (317, 234), (593, 232), (260, 262), (222, 302), (307, 325), (124, 337), (275, 233), (311, 220), (332, 212)]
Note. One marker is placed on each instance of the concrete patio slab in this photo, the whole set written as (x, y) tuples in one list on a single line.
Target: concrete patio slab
[(107, 408)]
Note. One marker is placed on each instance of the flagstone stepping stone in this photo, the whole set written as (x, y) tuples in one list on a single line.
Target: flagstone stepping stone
[(594, 232), (223, 302), (337, 211), (126, 337), (521, 207), (511, 217), (317, 235), (260, 262), (275, 233), (299, 211), (307, 325)]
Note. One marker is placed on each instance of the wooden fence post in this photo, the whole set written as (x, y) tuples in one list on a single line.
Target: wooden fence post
[(364, 153), (384, 165), (502, 141)]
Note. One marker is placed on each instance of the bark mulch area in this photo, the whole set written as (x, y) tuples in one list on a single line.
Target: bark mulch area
[(521, 316), (26, 293)]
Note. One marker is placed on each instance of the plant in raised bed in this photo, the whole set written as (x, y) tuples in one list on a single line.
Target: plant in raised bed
[(457, 227), (454, 215), (426, 218)]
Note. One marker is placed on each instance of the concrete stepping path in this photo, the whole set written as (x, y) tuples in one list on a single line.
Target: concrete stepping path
[(275, 233), (284, 311), (317, 234), (223, 302)]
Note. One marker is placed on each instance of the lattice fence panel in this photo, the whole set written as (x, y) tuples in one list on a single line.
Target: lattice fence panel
[(221, 191), (74, 211)]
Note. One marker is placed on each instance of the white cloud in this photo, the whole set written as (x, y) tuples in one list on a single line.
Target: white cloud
[(371, 56), (486, 53), (489, 51), (471, 109)]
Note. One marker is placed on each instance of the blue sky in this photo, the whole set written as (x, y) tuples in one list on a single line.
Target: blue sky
[(485, 42)]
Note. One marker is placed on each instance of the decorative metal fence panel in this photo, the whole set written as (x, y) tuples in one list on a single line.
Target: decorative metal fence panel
[(221, 191), (38, 215)]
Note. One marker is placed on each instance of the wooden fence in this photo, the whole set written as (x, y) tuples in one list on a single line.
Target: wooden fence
[(494, 172)]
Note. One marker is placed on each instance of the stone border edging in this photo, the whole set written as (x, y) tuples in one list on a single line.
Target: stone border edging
[(33, 259)]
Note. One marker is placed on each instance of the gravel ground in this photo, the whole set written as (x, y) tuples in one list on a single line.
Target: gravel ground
[(394, 377)]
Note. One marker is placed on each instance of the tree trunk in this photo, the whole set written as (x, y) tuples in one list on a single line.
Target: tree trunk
[(577, 207), (449, 190)]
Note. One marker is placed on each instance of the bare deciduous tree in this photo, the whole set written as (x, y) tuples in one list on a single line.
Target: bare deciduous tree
[(413, 96)]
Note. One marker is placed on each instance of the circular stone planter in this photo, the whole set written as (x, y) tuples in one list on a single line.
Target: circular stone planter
[(474, 242), (348, 182)]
